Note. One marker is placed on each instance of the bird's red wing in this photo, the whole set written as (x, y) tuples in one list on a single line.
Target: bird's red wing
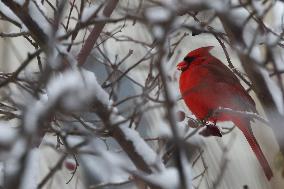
[(204, 100), (222, 75)]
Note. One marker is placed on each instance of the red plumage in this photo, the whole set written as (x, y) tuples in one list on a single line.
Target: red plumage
[(206, 84)]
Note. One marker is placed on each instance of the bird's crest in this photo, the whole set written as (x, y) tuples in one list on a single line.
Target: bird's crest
[(202, 51)]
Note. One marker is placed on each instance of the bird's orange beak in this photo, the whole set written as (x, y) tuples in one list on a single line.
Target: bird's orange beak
[(182, 65)]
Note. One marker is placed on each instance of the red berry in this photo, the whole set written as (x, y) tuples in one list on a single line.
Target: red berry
[(70, 164), (180, 116)]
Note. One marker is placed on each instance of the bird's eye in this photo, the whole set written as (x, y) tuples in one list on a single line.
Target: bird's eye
[(189, 59)]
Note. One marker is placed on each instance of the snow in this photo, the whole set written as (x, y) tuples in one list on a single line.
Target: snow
[(271, 39), (7, 12), (277, 23), (218, 5), (174, 93), (73, 141), (35, 110), (141, 147), (12, 164), (278, 54), (88, 12), (54, 57), (114, 158), (37, 16), (164, 130), (60, 32), (158, 14), (73, 89), (30, 177), (238, 16), (107, 167), (76, 84), (7, 133), (256, 54), (1, 173), (187, 169), (159, 32), (41, 6), (19, 148), (167, 179), (34, 12), (259, 7), (111, 167), (274, 91)]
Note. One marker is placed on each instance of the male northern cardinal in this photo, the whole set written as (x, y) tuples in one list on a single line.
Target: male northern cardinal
[(207, 85)]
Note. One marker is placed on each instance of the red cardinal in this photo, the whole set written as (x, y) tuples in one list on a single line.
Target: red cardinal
[(206, 85)]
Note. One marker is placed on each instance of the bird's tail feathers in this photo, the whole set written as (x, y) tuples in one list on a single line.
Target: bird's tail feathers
[(244, 126)]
